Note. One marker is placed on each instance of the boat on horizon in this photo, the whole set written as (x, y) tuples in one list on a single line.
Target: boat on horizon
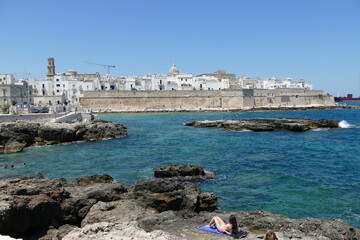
[(348, 98)]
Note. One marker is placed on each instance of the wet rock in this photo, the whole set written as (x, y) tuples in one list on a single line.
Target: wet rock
[(182, 172)]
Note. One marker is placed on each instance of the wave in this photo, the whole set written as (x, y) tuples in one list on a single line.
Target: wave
[(345, 124)]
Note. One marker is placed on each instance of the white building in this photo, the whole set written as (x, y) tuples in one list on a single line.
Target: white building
[(69, 87), (272, 83), (7, 79)]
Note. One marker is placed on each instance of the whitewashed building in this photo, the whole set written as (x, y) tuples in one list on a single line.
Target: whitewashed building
[(7, 79)]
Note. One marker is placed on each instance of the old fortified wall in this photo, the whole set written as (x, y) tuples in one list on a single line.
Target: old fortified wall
[(134, 101)]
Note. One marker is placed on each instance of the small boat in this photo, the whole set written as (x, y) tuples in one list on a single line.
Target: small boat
[(34, 109)]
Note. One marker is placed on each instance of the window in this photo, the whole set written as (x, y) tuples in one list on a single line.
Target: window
[(57, 79), (57, 85), (57, 90), (63, 85), (43, 85)]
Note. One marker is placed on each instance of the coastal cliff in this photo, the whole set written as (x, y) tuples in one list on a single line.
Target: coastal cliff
[(15, 136), (94, 207)]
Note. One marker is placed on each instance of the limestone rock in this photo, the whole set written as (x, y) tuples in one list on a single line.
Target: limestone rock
[(100, 130), (207, 202), (28, 204), (88, 180), (182, 172), (164, 195), (120, 231), (14, 136), (58, 132), (268, 124), (13, 146), (120, 211)]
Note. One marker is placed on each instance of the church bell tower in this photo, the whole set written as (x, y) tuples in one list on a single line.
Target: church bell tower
[(51, 68)]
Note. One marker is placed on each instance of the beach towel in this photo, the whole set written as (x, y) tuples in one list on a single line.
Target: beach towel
[(213, 229)]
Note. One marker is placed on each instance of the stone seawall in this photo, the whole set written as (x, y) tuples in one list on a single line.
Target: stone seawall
[(101, 101), (141, 101), (36, 117)]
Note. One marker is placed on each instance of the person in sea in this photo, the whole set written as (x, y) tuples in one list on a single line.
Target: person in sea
[(231, 228)]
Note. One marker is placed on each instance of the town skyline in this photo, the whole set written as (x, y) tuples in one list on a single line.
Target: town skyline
[(317, 41)]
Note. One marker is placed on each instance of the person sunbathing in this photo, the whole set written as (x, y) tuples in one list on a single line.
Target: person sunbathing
[(231, 228)]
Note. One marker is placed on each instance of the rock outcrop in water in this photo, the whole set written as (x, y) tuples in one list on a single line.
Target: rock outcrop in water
[(182, 172), (14, 136), (268, 124), (92, 208)]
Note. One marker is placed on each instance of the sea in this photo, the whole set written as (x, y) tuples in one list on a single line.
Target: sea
[(312, 174)]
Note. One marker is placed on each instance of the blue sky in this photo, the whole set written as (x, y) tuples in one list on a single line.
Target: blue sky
[(315, 40)]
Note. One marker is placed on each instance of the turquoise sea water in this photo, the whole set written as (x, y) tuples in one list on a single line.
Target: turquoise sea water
[(312, 174)]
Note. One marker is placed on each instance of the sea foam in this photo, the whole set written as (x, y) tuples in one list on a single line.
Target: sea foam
[(345, 124)]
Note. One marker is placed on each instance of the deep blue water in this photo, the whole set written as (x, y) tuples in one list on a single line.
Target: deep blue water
[(312, 174)]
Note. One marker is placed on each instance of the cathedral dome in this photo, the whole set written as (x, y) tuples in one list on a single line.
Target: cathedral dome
[(174, 70)]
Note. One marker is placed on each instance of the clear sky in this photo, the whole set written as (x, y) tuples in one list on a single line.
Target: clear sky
[(318, 40)]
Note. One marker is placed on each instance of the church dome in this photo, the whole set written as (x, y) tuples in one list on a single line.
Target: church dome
[(174, 70), (71, 72)]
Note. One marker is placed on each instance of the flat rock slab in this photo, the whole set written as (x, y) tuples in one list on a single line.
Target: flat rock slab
[(268, 124)]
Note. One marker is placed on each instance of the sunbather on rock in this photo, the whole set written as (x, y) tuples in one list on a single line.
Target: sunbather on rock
[(231, 228)]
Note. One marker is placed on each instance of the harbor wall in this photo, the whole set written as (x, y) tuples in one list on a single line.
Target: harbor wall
[(36, 117), (102, 101), (256, 98), (134, 101)]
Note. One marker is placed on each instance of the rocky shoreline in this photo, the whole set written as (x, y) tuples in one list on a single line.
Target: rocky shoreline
[(94, 207), (268, 124), (15, 136)]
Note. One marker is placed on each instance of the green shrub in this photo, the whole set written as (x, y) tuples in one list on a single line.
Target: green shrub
[(5, 108)]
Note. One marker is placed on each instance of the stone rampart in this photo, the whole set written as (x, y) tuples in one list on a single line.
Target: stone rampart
[(289, 98), (120, 101), (135, 101)]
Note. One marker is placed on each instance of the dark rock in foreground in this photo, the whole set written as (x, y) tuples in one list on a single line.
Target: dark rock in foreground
[(14, 136), (268, 124), (38, 208), (182, 172), (30, 204)]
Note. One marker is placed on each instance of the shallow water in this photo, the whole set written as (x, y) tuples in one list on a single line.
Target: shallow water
[(311, 174)]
